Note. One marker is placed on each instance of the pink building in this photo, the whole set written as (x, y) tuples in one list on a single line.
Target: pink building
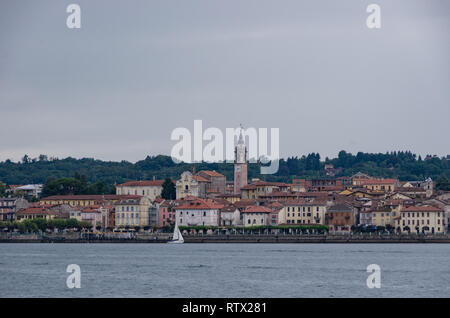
[(166, 212)]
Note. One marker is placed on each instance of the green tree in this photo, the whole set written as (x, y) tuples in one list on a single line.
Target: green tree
[(2, 189), (168, 192), (442, 183)]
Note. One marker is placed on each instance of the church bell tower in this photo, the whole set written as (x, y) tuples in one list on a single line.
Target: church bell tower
[(240, 165)]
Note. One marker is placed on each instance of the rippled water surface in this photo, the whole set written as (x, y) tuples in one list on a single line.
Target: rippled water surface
[(225, 270)]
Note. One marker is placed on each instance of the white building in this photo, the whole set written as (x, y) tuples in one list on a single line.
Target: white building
[(198, 212), (256, 216), (230, 216), (30, 190), (150, 189)]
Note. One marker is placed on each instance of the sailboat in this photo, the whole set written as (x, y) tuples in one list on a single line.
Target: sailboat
[(177, 237)]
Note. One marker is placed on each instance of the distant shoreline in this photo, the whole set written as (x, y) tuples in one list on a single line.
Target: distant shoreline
[(304, 239)]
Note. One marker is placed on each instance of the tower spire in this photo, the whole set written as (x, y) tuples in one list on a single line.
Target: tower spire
[(241, 138)]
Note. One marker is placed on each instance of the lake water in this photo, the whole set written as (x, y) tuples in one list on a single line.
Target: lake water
[(225, 270)]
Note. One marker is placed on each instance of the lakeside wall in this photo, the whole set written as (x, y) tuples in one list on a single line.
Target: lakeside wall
[(163, 238)]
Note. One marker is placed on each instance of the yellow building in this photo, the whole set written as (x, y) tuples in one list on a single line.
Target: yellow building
[(257, 188), (189, 185), (300, 212), (43, 212), (232, 198), (133, 212), (421, 219), (84, 200), (383, 217), (385, 185)]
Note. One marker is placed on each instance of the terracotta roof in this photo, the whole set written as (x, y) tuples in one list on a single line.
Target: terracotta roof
[(424, 208), (230, 195), (212, 173), (302, 202), (13, 186), (200, 204), (228, 208), (34, 211), (200, 179), (341, 208), (268, 183), (257, 209), (379, 181), (95, 197), (244, 202), (150, 183)]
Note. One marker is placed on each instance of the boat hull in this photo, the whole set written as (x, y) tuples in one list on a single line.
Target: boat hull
[(175, 242)]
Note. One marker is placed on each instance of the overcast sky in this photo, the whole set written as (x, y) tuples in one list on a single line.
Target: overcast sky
[(116, 88)]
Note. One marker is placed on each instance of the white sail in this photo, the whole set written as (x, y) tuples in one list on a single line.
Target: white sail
[(176, 233), (177, 237)]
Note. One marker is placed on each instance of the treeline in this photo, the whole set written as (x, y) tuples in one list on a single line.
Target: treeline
[(403, 165), (75, 186), (100, 176), (43, 225)]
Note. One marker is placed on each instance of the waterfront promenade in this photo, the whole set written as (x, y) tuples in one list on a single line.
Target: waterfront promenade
[(221, 238)]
